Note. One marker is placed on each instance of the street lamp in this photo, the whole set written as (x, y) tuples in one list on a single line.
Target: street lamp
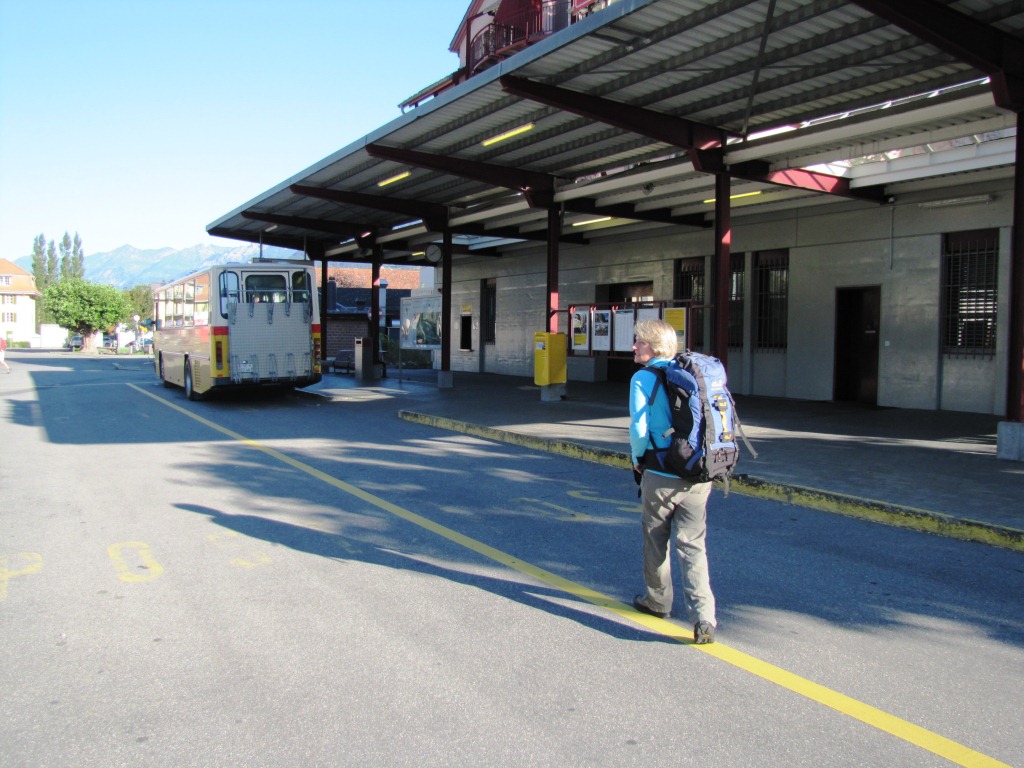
[(138, 341)]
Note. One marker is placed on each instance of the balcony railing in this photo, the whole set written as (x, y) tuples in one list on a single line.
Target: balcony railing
[(499, 41)]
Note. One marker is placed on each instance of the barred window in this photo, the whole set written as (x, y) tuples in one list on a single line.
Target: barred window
[(772, 294), (970, 292), (690, 288), (736, 270)]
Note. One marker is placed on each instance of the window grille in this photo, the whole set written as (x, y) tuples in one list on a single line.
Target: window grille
[(970, 293), (772, 294), (490, 312), (690, 288), (736, 270)]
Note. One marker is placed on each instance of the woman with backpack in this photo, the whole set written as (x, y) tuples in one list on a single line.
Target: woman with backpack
[(668, 500)]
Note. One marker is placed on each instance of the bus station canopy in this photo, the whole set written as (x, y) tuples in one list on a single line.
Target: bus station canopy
[(623, 120)]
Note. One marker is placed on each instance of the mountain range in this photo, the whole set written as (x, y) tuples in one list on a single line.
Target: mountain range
[(128, 266)]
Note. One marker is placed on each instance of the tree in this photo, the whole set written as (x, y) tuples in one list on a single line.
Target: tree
[(141, 299), (77, 258), (39, 273), (39, 261), (84, 307), (65, 257), (51, 264)]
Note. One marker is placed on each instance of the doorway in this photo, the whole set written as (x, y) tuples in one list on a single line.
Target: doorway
[(856, 354)]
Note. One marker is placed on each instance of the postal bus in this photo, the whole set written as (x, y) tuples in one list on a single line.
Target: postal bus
[(237, 325)]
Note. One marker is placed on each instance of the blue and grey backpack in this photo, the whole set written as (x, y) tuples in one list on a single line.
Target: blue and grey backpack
[(704, 420)]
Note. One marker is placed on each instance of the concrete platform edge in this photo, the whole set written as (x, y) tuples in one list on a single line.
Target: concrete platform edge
[(811, 498)]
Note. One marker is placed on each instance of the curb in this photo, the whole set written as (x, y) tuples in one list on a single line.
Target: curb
[(811, 498)]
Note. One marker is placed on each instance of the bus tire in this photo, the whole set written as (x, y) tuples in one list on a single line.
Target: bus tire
[(163, 376), (190, 389)]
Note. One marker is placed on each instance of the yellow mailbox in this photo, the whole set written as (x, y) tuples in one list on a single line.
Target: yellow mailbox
[(548, 358)]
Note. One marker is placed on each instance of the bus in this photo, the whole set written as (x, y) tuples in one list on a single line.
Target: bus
[(238, 325)]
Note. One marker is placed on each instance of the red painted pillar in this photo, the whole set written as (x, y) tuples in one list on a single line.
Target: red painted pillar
[(720, 272), (446, 301), (554, 234)]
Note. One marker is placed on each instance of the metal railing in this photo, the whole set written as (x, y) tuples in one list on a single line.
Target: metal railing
[(498, 41)]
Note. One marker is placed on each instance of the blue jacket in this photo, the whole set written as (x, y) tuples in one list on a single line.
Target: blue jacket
[(648, 420)]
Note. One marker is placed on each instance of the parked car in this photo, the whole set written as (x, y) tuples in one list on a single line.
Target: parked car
[(75, 342)]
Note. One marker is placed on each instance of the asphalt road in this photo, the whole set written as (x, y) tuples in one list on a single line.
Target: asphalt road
[(277, 581)]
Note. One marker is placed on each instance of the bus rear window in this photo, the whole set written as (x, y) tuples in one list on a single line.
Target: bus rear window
[(271, 288)]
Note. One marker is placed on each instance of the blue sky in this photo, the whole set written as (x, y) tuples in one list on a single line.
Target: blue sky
[(141, 121)]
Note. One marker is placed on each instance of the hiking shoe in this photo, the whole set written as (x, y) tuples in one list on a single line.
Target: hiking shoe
[(703, 633), (640, 605)]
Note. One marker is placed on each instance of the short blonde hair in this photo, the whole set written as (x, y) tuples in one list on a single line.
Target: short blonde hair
[(660, 335)]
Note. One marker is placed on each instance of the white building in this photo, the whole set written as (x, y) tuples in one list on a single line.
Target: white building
[(18, 294)]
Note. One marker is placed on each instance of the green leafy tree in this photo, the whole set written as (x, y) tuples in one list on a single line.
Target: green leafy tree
[(141, 299), (39, 261), (65, 257), (39, 273), (84, 307), (77, 258), (52, 275)]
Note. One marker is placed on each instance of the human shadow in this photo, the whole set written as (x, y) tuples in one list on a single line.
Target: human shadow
[(350, 547)]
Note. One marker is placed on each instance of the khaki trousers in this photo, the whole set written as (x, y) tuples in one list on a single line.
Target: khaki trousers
[(669, 501)]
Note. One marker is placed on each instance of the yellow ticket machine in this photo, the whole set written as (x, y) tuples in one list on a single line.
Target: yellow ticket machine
[(549, 358)]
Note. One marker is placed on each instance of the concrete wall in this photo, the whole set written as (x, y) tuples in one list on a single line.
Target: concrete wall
[(837, 244)]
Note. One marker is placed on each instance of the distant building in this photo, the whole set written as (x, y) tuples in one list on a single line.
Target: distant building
[(18, 294)]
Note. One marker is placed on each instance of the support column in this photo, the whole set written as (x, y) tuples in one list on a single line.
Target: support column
[(445, 378), (555, 390), (1010, 442), (323, 307), (554, 234), (377, 258), (720, 271)]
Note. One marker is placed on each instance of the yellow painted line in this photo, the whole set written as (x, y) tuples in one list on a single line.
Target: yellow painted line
[(31, 562), (877, 718), (141, 550)]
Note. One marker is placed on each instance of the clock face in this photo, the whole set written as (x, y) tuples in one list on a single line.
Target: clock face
[(433, 253)]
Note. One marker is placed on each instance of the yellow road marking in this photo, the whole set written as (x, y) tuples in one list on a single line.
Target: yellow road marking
[(146, 561), (877, 718), (33, 562)]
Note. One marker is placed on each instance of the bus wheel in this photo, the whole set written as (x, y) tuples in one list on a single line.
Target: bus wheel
[(190, 390), (163, 376)]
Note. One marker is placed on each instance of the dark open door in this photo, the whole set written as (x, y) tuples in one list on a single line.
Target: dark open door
[(856, 366)]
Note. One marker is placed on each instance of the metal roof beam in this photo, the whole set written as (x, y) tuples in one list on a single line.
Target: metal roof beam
[(512, 233), (301, 222), (801, 178), (538, 188), (629, 211), (296, 243), (434, 213), (996, 53), (702, 142)]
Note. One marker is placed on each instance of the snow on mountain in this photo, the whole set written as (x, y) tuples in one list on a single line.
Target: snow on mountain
[(128, 266)]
